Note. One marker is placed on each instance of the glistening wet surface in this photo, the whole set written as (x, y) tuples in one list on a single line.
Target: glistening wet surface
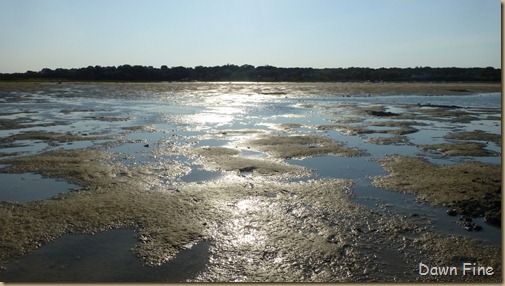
[(103, 257), (200, 164)]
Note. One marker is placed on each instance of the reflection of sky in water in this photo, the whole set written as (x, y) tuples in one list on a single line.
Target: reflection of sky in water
[(340, 167), (31, 187)]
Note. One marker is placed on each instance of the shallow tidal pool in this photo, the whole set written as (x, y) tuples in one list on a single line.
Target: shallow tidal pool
[(246, 182)]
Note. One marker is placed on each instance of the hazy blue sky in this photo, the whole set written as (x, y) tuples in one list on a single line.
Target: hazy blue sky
[(286, 33)]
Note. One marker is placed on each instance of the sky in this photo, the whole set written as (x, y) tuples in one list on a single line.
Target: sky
[(37, 34)]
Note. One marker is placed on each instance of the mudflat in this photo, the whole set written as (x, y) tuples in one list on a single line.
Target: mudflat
[(271, 176)]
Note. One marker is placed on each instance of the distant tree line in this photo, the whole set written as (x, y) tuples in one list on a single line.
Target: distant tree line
[(261, 73)]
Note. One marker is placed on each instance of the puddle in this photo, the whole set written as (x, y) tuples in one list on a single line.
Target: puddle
[(31, 187), (211, 142), (246, 153), (198, 175), (81, 258), (340, 167), (27, 147)]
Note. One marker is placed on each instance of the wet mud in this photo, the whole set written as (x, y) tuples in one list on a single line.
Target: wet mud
[(470, 189), (227, 159), (476, 135), (239, 188), (459, 149), (287, 147)]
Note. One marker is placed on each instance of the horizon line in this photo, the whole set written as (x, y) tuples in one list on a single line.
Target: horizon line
[(266, 65)]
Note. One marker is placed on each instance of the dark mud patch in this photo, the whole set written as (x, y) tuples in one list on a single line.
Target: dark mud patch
[(382, 113), (83, 258), (459, 149), (438, 106), (241, 132), (488, 207), (287, 147)]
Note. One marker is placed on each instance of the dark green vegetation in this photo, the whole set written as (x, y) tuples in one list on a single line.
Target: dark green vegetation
[(261, 73)]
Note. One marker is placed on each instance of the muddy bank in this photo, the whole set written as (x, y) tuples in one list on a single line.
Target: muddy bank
[(286, 147), (476, 135), (459, 149), (227, 159), (472, 189), (112, 197), (50, 137)]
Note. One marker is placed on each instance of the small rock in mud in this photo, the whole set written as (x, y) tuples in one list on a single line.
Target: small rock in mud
[(452, 212), (470, 226), (382, 113)]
